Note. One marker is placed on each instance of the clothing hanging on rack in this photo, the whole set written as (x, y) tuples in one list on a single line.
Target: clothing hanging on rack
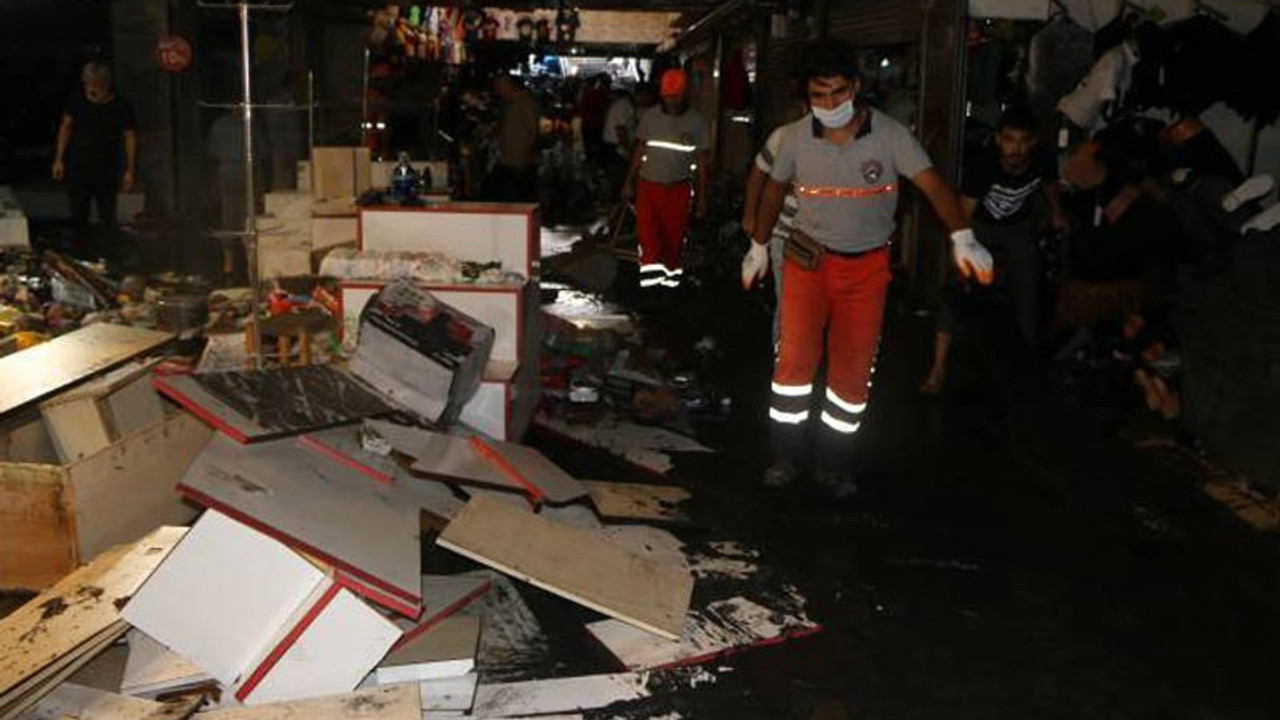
[(1103, 88), (1059, 56)]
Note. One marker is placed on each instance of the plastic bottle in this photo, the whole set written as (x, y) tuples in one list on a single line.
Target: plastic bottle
[(403, 178)]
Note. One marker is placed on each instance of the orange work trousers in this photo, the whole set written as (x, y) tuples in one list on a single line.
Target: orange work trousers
[(841, 303), (662, 217)]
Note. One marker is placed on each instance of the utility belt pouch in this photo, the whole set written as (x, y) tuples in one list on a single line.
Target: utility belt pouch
[(803, 250)]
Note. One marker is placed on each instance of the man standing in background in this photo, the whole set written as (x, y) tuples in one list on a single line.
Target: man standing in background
[(673, 144), (515, 177), (96, 137)]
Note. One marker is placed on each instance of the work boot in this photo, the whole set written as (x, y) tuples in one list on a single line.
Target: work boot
[(839, 483), (781, 473)]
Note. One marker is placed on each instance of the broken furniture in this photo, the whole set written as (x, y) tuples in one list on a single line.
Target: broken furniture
[(482, 233)]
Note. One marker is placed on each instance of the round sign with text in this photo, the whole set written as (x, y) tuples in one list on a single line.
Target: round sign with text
[(173, 52)]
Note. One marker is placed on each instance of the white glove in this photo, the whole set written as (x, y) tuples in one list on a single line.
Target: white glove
[(971, 259), (754, 265)]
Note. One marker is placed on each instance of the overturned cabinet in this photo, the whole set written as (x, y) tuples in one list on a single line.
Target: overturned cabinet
[(504, 404)]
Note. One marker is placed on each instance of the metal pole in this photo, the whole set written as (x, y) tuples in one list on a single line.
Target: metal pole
[(364, 102), (311, 127), (250, 195)]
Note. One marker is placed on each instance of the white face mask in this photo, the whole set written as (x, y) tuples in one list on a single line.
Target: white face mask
[(837, 117)]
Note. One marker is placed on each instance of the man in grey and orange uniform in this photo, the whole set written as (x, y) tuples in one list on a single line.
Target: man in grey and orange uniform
[(672, 144), (844, 164)]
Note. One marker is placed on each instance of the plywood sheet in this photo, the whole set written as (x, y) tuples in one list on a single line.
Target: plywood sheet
[(29, 692), (631, 501), (69, 359), (578, 565), (37, 539), (77, 608), (122, 492), (320, 506), (255, 405), (85, 703), (397, 702)]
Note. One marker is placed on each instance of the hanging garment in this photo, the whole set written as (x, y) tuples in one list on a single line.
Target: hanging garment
[(1106, 84), (1060, 55), (1092, 15)]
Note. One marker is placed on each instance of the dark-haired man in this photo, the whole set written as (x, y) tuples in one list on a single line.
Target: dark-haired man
[(999, 195), (844, 163)]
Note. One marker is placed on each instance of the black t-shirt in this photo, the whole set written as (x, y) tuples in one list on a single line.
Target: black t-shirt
[(1003, 197), (96, 149)]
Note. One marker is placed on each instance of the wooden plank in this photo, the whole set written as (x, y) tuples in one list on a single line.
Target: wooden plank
[(257, 405), (64, 361), (29, 692), (24, 439), (319, 506), (442, 596), (644, 446), (86, 703), (37, 538), (575, 564), (77, 608), (559, 695), (631, 501), (446, 650), (397, 702), (127, 489)]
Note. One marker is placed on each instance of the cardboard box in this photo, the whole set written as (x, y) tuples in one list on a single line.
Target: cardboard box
[(340, 172)]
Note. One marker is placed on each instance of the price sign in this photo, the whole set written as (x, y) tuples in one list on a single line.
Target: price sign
[(173, 53)]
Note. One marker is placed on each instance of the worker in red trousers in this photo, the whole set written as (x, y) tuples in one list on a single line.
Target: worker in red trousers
[(844, 163), (670, 161)]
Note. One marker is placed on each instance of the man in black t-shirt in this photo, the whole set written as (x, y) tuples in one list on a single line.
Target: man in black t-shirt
[(96, 148), (999, 195)]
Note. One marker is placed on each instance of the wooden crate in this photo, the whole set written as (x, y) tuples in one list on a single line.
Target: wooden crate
[(55, 516)]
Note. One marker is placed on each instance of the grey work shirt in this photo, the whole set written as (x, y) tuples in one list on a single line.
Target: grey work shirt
[(669, 144), (848, 193)]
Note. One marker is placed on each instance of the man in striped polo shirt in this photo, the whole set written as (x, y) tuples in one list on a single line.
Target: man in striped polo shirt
[(844, 163)]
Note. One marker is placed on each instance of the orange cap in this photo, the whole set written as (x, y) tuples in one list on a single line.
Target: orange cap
[(674, 82)]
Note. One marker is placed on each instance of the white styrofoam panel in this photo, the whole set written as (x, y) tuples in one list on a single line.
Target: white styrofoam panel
[(221, 595)]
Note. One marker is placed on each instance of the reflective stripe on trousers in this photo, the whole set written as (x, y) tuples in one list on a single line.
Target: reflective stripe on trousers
[(841, 305)]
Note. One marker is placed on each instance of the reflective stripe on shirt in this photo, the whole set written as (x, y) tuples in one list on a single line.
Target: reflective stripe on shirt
[(827, 191)]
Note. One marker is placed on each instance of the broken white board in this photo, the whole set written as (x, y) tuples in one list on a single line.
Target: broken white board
[(397, 484), (455, 694), (720, 628), (396, 702), (559, 695), (319, 506), (221, 595), (453, 458), (446, 650), (329, 645), (647, 447), (69, 700), (153, 669), (578, 565)]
